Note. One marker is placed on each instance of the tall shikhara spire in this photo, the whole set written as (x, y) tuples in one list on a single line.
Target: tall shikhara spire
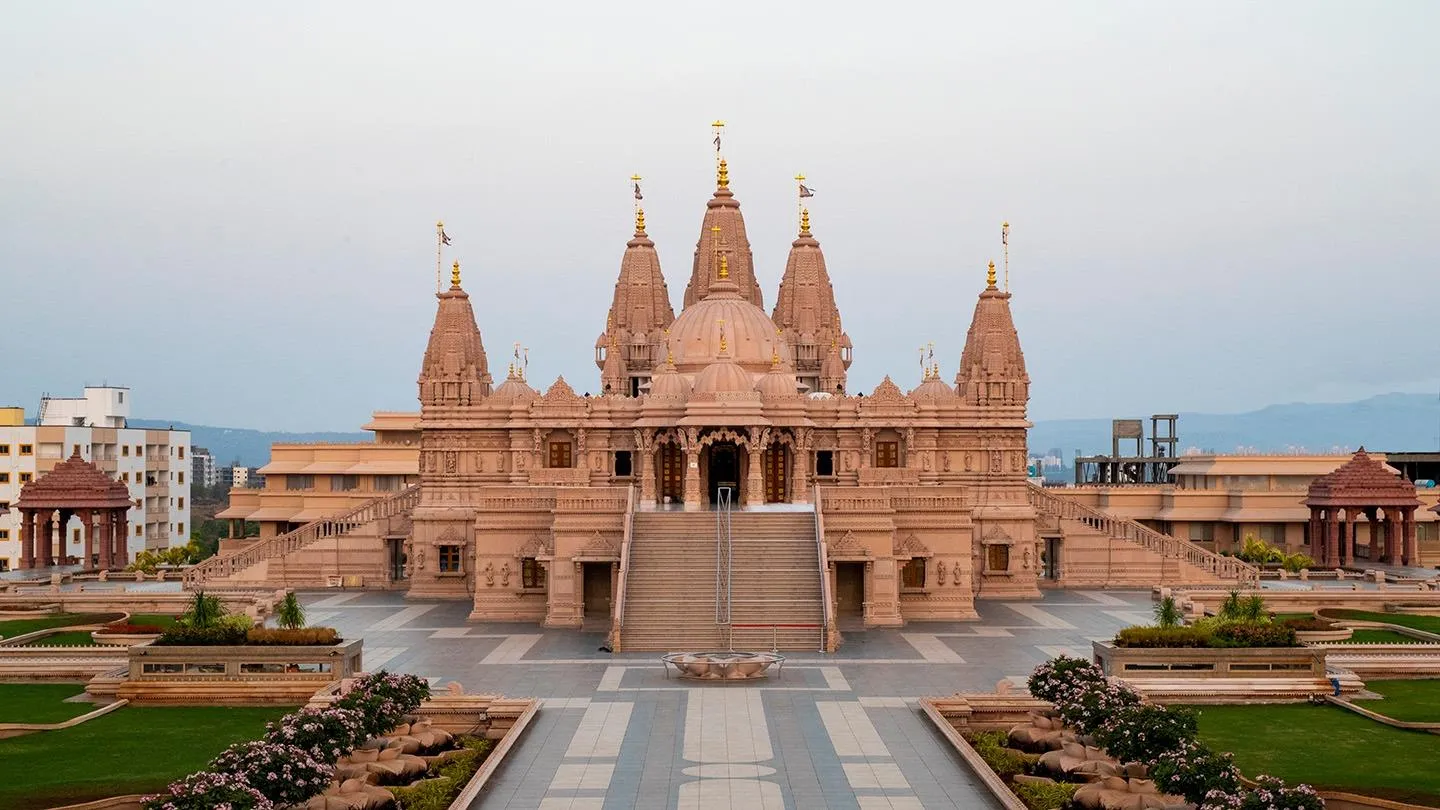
[(723, 212), (806, 314), (992, 367), (632, 345), (455, 371)]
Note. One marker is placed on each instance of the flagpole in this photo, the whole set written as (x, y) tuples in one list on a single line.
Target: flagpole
[(799, 196), (439, 245), (717, 125), (1005, 243)]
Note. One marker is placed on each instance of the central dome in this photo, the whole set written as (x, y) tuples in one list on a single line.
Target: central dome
[(750, 336)]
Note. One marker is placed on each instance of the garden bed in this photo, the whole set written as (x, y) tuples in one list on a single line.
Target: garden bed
[(244, 675), (1425, 624)]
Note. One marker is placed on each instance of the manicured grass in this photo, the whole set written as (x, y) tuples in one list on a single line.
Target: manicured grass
[(1410, 701), (70, 638), (1430, 624), (1362, 636), (41, 702), (19, 627), (1328, 747), (1280, 617), (131, 750)]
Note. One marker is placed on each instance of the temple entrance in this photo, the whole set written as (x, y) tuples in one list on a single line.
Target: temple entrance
[(395, 552), (850, 590), (724, 469), (596, 579), (776, 462), (671, 469)]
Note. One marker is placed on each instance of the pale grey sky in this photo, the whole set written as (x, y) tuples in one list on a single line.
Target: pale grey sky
[(230, 206)]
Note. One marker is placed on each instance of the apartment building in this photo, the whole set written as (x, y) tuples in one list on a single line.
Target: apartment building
[(154, 465)]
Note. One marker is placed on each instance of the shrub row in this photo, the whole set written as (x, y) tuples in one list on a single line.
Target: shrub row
[(1228, 634), (1310, 624), (296, 758), (230, 634), (1164, 738), (307, 636)]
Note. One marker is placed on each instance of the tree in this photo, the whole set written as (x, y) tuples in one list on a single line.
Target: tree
[(290, 614)]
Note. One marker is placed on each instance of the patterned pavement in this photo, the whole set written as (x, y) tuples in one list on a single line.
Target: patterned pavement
[(831, 731)]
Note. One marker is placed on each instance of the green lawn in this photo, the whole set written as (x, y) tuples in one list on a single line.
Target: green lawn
[(1430, 624), (1328, 747), (1362, 636), (41, 702), (1410, 701), (69, 638), (131, 750), (153, 618), (18, 627)]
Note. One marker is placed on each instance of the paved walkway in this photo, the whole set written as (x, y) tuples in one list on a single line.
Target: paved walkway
[(832, 731)]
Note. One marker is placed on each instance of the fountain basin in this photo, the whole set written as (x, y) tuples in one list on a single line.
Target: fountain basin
[(726, 665)]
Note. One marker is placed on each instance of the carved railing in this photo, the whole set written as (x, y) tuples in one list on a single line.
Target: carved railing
[(218, 567), (1226, 568), (625, 558), (827, 614)]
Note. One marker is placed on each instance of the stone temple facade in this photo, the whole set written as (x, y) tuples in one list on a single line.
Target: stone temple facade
[(537, 505)]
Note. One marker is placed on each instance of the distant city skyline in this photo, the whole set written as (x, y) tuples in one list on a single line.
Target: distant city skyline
[(1214, 206)]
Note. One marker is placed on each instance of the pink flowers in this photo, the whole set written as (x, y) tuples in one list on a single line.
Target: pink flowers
[(208, 790), (285, 774)]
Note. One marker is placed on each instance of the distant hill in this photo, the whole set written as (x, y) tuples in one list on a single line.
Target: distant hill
[(1386, 422), (1393, 422), (250, 447)]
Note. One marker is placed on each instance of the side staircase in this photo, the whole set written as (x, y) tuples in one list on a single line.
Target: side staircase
[(220, 568), (690, 585), (1090, 539)]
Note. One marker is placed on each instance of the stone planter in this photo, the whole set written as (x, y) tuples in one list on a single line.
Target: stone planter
[(1323, 636), (245, 675), (123, 639), (1222, 675)]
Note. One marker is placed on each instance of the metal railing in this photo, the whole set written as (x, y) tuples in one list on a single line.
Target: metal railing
[(387, 506), (722, 555), (625, 558), (1167, 546), (827, 610)]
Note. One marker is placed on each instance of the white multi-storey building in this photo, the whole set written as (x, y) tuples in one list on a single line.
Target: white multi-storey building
[(154, 465), (202, 467)]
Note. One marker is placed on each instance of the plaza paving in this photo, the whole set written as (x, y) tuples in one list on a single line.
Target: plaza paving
[(832, 731)]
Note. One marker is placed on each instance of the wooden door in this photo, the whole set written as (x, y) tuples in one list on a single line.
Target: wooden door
[(597, 589), (672, 471), (850, 589), (560, 455), (775, 468)]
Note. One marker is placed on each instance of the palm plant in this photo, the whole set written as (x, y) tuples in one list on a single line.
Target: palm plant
[(1230, 609), (1167, 613), (204, 611), (290, 614), (1252, 609)]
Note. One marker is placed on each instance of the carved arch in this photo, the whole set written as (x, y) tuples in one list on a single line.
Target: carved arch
[(724, 434)]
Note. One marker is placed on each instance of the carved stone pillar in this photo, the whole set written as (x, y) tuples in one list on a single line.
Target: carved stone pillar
[(92, 530), (47, 541), (1332, 538), (1411, 548), (692, 478), (27, 539), (120, 555), (106, 537), (800, 466), (1392, 537), (646, 466), (754, 480)]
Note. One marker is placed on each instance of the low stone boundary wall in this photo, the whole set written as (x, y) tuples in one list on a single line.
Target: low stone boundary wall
[(247, 675), (58, 663), (1386, 661), (1433, 728), (987, 712), (251, 602), (1308, 601), (1224, 675), (951, 715)]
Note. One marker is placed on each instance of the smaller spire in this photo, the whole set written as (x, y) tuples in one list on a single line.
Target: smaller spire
[(990, 277), (455, 275), (722, 175), (804, 221)]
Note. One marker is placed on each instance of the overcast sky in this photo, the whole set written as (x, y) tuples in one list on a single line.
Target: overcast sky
[(230, 207)]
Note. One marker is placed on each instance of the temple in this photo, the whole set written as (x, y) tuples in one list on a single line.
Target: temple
[(726, 487)]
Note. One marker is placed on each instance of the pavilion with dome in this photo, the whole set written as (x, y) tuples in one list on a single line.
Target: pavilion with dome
[(536, 505)]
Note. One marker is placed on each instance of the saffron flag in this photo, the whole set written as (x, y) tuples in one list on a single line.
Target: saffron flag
[(805, 191)]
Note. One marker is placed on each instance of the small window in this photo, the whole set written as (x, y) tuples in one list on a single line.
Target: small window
[(997, 558), (162, 669), (181, 504), (887, 454), (299, 482), (182, 476), (139, 451), (4, 564), (4, 535), (388, 483), (125, 477), (4, 477), (4, 449), (25, 477), (205, 669), (1202, 532), (139, 530), (180, 530), (182, 451), (623, 465), (824, 463), (75, 536), (344, 483), (125, 450), (912, 574), (532, 573), (449, 559), (560, 455), (27, 449)]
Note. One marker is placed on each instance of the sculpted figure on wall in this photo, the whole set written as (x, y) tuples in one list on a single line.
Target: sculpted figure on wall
[(489, 574), (505, 575)]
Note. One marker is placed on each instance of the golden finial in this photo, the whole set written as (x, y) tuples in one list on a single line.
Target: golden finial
[(669, 349), (455, 274), (804, 220), (990, 276), (724, 267), (774, 357), (724, 347), (639, 220), (722, 175)]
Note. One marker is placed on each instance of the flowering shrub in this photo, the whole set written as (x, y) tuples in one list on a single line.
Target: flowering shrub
[(1192, 770), (384, 699), (1144, 732), (209, 791), (326, 734), (1088, 705), (1272, 793), (285, 774), (1059, 675)]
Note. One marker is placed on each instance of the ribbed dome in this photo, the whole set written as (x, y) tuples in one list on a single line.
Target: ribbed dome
[(668, 384), (723, 377), (515, 389), (933, 388), (779, 382), (749, 332)]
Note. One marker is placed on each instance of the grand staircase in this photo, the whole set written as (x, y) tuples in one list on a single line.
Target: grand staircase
[(1147, 557), (220, 568), (680, 593)]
